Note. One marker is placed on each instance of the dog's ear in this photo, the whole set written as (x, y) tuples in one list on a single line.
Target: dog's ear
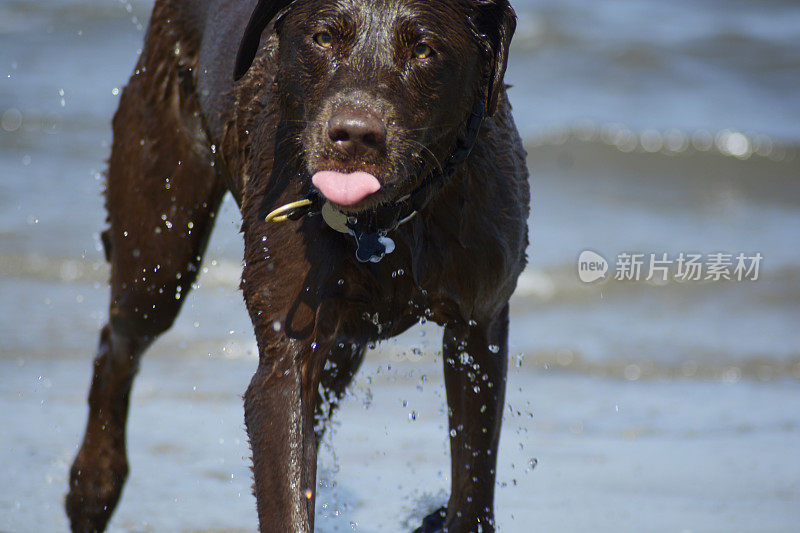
[(496, 22), (264, 13)]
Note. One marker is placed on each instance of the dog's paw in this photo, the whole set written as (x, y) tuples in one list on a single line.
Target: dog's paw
[(434, 522), (96, 480)]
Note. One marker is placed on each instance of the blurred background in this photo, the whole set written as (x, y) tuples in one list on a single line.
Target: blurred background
[(651, 127)]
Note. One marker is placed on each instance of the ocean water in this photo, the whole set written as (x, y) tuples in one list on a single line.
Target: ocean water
[(651, 127)]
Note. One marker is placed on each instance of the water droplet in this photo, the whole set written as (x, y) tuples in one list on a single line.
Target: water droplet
[(632, 372), (11, 120)]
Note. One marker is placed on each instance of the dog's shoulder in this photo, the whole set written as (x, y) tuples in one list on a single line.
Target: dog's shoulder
[(477, 231), (200, 38)]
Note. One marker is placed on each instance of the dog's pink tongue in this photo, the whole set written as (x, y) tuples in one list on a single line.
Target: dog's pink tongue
[(345, 189)]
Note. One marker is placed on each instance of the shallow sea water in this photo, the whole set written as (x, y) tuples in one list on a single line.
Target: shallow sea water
[(579, 453), (651, 127)]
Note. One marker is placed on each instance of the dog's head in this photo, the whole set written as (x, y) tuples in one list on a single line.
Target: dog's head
[(377, 92)]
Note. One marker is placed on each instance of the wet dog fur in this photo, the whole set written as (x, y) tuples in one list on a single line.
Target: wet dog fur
[(240, 97)]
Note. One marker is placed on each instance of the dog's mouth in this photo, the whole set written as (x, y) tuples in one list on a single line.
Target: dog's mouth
[(346, 188), (355, 179)]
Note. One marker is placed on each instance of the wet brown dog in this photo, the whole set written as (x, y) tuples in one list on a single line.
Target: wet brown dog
[(391, 118)]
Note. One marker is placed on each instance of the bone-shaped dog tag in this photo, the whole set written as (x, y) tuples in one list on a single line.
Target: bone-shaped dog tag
[(372, 247)]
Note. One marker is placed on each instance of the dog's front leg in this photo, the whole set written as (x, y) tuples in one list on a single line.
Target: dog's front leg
[(475, 366), (279, 415)]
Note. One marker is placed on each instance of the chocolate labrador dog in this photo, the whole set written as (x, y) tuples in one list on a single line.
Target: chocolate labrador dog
[(381, 179)]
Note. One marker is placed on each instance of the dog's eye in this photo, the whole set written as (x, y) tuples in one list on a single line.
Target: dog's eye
[(422, 51), (324, 39)]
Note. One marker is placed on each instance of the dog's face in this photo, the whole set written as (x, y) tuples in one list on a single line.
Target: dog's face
[(376, 92)]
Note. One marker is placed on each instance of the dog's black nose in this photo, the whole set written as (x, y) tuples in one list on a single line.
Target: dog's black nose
[(357, 132)]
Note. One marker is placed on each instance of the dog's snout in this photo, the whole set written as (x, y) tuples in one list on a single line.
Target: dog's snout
[(357, 132)]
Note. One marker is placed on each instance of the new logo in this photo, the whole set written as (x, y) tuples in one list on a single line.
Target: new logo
[(591, 266)]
